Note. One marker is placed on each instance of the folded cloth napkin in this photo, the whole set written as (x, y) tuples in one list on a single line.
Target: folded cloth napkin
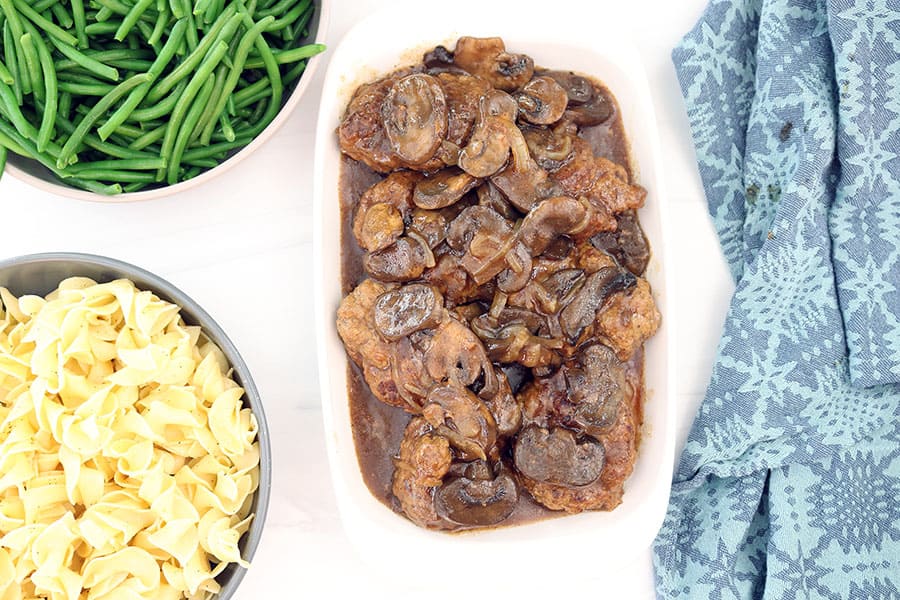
[(789, 486)]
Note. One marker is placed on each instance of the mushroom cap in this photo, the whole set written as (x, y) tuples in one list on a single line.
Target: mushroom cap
[(542, 101), (404, 260), (488, 58), (415, 117), (555, 456), (443, 189), (488, 148), (477, 501), (407, 309)]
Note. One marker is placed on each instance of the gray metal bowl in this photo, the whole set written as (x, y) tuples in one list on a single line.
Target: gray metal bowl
[(33, 173), (40, 274)]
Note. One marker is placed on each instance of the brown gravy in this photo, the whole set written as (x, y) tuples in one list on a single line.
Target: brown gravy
[(377, 427)]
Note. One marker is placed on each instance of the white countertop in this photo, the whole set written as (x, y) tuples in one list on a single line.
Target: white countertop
[(242, 247)]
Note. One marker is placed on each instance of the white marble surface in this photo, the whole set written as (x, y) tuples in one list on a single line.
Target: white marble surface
[(241, 246)]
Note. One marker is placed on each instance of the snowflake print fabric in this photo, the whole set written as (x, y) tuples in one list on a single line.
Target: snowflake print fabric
[(789, 485)]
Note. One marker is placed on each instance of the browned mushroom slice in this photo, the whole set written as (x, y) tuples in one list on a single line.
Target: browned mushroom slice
[(504, 408), (550, 147), (404, 260), (491, 197), (550, 219), (457, 414), (409, 308), (488, 147), (581, 311), (555, 456), (383, 209), (596, 383), (415, 117), (518, 271), (457, 355), (443, 189), (488, 58), (523, 182), (361, 133), (485, 237), (542, 101), (454, 282), (511, 337), (463, 93), (578, 89), (478, 498), (627, 243)]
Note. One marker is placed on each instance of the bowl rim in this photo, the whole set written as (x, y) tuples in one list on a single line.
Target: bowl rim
[(169, 292), (359, 521), (60, 189)]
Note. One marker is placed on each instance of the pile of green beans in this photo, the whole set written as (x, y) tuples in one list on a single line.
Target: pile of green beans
[(117, 96)]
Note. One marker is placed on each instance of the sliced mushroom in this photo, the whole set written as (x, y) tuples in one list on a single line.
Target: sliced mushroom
[(361, 132), (581, 311), (485, 237), (477, 499), (400, 312), (404, 260), (488, 147), (457, 355), (555, 456), (578, 89), (523, 182), (488, 58), (589, 103), (627, 243), (462, 418), (550, 219), (551, 147), (415, 117), (596, 383), (512, 337), (443, 189), (542, 101), (504, 408), (491, 197)]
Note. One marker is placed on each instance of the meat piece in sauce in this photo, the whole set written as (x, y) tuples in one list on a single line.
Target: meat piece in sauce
[(588, 408)]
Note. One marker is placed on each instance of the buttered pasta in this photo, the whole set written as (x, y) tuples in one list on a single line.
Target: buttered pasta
[(128, 462)]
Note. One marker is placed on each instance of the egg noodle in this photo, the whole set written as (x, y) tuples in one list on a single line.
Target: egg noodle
[(127, 461)]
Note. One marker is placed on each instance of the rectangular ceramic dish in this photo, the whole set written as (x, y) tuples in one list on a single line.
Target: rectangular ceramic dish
[(574, 544)]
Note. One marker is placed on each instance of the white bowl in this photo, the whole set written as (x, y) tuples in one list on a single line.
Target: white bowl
[(35, 174), (571, 544)]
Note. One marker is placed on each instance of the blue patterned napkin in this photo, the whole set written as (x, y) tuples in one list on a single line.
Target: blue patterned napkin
[(789, 486)]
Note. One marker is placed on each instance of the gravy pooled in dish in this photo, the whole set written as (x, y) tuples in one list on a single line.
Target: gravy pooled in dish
[(494, 305)]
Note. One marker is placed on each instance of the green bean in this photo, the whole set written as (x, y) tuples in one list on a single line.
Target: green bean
[(134, 164), (84, 89), (85, 61), (132, 18), (162, 108), (191, 35), (255, 96), (13, 113), (227, 129), (114, 6), (49, 26), (104, 56), (200, 7), (145, 32), (9, 53), (103, 15), (287, 19), (214, 149), (43, 5), (240, 57), (2, 159), (193, 59), (25, 143), (110, 175), (100, 146), (12, 145), (191, 121), (13, 31), (133, 187), (208, 117), (101, 28), (215, 7), (280, 7), (5, 76), (288, 56), (206, 163), (71, 145), (80, 22), (32, 62), (62, 17), (137, 96), (162, 22), (65, 105), (181, 108), (151, 137), (177, 8), (51, 102)]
